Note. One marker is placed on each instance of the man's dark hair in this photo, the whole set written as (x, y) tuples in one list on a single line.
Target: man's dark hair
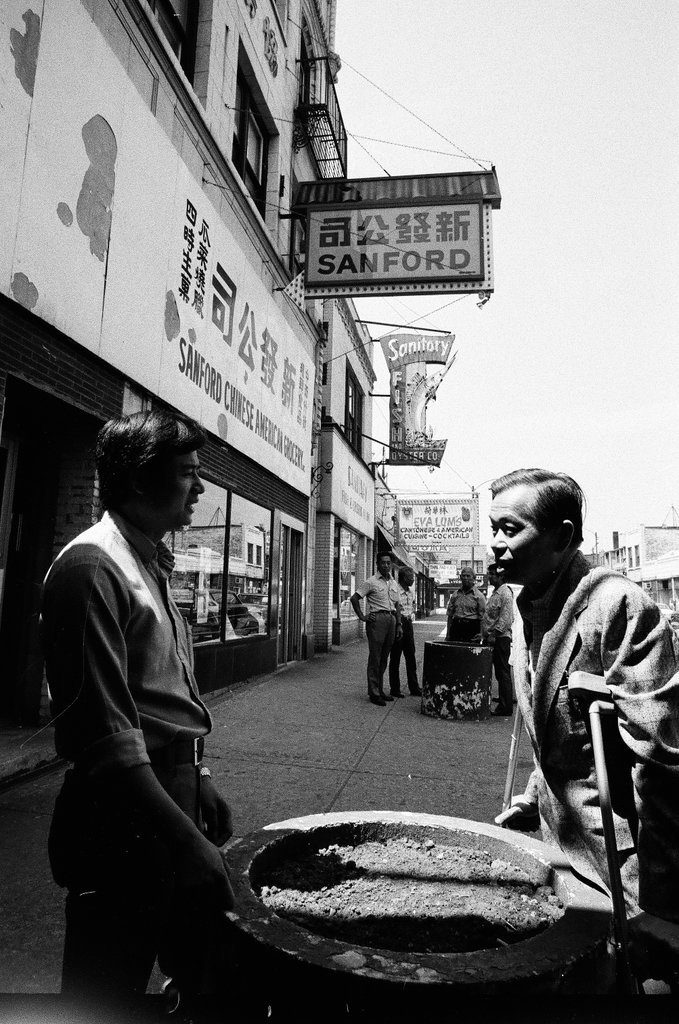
[(557, 497), (384, 554), (404, 571), (138, 448)]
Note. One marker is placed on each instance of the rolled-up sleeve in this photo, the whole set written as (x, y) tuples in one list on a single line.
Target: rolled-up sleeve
[(84, 614)]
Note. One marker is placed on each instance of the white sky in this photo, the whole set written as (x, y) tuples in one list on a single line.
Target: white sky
[(573, 364)]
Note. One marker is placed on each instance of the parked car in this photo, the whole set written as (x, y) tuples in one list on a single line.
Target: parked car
[(240, 616), (665, 610)]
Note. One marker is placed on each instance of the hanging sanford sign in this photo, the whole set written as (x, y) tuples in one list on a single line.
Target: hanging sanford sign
[(399, 235)]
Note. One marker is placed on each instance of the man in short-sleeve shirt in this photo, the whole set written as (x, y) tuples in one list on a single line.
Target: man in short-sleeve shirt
[(465, 609), (137, 825), (383, 624), (406, 645)]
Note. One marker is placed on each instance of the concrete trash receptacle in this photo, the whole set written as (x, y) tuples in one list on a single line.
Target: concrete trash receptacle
[(321, 966), (456, 680)]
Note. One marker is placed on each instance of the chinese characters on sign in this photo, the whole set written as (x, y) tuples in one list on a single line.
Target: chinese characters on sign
[(196, 247), (409, 245), (243, 357), (435, 526)]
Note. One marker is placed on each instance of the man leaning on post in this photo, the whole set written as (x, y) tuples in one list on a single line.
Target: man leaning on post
[(383, 624), (138, 825)]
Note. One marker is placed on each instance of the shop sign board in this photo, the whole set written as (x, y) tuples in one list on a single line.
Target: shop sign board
[(348, 489), (120, 247), (435, 523), (411, 388), (416, 248)]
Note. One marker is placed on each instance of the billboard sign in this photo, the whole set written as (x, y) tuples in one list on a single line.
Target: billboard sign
[(434, 523)]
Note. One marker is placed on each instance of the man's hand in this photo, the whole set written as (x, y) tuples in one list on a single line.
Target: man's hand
[(201, 873), (216, 813), (654, 947), (521, 816)]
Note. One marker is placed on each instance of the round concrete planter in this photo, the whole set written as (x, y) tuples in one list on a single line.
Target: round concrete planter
[(293, 969)]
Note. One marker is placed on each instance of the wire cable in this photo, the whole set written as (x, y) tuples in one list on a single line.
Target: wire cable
[(345, 63)]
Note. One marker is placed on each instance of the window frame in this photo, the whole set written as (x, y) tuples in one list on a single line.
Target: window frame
[(247, 118), (353, 420)]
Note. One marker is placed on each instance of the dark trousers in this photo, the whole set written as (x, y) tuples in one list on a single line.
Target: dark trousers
[(406, 647), (123, 907), (380, 632), (503, 673), (463, 629)]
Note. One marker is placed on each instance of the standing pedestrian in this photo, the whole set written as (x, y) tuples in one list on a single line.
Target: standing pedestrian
[(137, 826), (496, 629), (579, 618), (465, 609), (406, 644), (383, 624)]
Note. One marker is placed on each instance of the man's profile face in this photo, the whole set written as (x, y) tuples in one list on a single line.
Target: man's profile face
[(384, 565), (173, 502), (523, 553)]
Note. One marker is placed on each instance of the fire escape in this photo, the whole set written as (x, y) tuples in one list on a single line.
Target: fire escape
[(318, 119)]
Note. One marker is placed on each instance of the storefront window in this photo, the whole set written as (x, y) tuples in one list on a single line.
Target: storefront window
[(347, 561), (247, 593), (198, 583), (197, 580)]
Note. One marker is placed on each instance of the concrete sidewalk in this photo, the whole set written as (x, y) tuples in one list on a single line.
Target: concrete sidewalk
[(305, 740)]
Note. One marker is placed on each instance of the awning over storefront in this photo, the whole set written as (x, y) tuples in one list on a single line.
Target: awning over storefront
[(467, 185)]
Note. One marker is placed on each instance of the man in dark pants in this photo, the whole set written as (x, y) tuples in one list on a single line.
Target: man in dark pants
[(406, 644), (496, 629), (138, 825), (383, 624), (465, 609)]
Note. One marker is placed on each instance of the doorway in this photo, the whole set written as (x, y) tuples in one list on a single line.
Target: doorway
[(43, 447), (291, 594)]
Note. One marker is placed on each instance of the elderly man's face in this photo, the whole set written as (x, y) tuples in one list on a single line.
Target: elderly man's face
[(523, 553), (467, 579)]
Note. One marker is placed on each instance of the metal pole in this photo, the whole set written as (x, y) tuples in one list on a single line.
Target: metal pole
[(513, 758), (626, 980)]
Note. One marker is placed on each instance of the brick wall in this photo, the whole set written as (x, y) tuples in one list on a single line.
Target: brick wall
[(325, 529)]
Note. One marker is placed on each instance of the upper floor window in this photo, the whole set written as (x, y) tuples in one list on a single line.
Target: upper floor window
[(250, 144), (353, 413), (178, 20)]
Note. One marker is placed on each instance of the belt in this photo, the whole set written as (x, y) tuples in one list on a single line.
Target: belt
[(179, 752), (383, 611)]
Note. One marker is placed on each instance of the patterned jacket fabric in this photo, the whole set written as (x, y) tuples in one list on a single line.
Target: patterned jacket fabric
[(601, 622)]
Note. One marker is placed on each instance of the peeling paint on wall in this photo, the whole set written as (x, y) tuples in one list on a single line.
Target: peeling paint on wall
[(95, 202), (65, 214), (24, 291), (172, 324), (24, 49)]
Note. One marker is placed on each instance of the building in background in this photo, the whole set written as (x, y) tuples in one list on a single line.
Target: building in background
[(149, 157), (649, 555)]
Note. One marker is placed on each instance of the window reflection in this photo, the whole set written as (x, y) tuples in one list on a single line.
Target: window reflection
[(247, 595), (198, 577), (348, 556)]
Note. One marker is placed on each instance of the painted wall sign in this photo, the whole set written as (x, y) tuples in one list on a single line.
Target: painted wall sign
[(432, 524), (364, 250), (116, 244), (349, 490)]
